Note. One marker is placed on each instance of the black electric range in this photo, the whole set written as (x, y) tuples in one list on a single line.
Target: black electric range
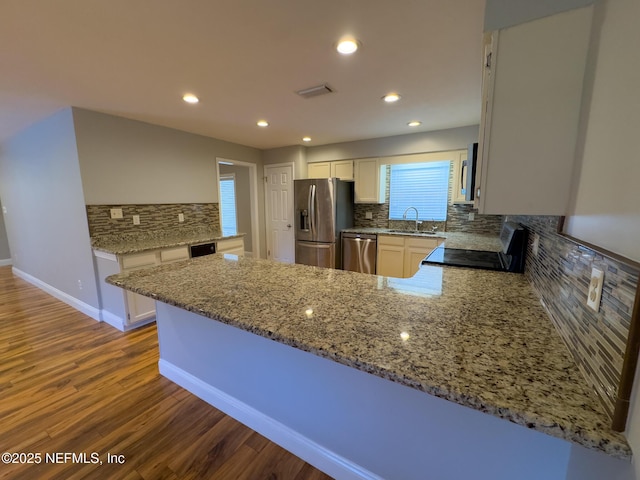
[(511, 259)]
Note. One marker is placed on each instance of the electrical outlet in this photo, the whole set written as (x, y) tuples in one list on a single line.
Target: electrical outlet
[(535, 247), (79, 284), (136, 219), (595, 289), (181, 217), (368, 215), (116, 213), (4, 209), (472, 216)]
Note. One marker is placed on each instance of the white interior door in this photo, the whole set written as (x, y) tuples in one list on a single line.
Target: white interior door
[(279, 201)]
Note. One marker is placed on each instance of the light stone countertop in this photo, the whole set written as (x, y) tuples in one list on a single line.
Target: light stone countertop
[(128, 243), (474, 337), (469, 241)]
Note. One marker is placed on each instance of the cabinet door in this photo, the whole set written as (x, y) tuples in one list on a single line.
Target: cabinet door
[(370, 180), (390, 261), (343, 169), (532, 92), (139, 308), (319, 170)]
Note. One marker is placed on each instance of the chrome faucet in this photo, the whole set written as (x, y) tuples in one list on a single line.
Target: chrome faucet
[(404, 215)]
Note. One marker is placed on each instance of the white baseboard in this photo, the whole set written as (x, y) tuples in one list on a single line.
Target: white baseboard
[(113, 320), (5, 262), (289, 439), (60, 295)]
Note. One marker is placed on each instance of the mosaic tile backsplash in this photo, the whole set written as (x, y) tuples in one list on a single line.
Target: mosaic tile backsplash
[(152, 217), (561, 273)]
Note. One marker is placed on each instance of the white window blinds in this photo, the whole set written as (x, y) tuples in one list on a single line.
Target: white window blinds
[(424, 186), (228, 205)]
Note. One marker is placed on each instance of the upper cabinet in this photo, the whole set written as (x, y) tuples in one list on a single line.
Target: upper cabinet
[(531, 90), (342, 169), (370, 180)]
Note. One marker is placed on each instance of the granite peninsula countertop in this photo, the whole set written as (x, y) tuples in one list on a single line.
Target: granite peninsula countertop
[(474, 337), (127, 243), (469, 241)]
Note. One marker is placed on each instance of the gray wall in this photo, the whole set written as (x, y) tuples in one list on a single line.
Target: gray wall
[(296, 154), (5, 253), (243, 201), (437, 141), (506, 13), (129, 162), (46, 220)]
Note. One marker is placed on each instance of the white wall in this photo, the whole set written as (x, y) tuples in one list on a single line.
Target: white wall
[(46, 219), (5, 253), (437, 141), (605, 210), (127, 162)]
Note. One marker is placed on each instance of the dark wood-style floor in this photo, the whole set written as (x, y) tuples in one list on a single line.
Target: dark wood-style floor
[(71, 384)]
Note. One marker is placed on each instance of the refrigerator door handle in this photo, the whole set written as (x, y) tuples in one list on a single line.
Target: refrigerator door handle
[(312, 210)]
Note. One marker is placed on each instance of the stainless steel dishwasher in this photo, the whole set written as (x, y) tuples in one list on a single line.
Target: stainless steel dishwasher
[(359, 252)]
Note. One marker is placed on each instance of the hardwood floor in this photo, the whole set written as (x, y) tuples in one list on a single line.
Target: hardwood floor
[(71, 384)]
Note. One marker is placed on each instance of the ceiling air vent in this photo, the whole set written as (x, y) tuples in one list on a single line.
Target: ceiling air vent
[(315, 91)]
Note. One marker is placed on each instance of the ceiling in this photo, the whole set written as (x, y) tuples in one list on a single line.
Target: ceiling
[(245, 59)]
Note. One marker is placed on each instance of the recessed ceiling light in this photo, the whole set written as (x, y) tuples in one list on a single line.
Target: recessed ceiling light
[(391, 97), (306, 139), (190, 98), (414, 123), (262, 123), (347, 45)]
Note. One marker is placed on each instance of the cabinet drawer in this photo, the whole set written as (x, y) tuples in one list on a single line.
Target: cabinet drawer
[(391, 240), (138, 260), (421, 242), (231, 244), (174, 254)]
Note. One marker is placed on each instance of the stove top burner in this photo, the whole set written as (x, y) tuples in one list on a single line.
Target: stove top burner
[(511, 259), (468, 258)]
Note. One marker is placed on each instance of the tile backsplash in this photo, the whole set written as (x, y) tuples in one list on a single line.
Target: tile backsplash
[(561, 273), (152, 217)]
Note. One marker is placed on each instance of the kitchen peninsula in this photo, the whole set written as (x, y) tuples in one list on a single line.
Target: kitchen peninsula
[(368, 376)]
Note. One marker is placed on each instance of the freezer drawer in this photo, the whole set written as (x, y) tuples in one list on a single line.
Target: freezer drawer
[(359, 252), (316, 254)]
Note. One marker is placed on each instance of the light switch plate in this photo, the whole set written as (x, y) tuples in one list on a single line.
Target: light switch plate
[(368, 215), (535, 247), (595, 289), (181, 217), (116, 213), (136, 219)]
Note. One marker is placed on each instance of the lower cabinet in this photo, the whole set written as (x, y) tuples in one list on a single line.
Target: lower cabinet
[(232, 245), (123, 309), (400, 256)]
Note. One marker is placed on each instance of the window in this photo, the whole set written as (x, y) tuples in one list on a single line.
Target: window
[(228, 204), (424, 186)]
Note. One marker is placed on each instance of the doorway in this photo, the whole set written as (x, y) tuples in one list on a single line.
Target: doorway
[(238, 197)]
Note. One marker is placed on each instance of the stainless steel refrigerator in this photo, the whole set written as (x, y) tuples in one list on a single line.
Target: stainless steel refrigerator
[(323, 207)]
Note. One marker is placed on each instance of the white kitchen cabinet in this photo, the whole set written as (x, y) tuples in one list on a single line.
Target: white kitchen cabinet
[(532, 88), (370, 178), (342, 169), (319, 170), (400, 256), (234, 246), (123, 309)]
